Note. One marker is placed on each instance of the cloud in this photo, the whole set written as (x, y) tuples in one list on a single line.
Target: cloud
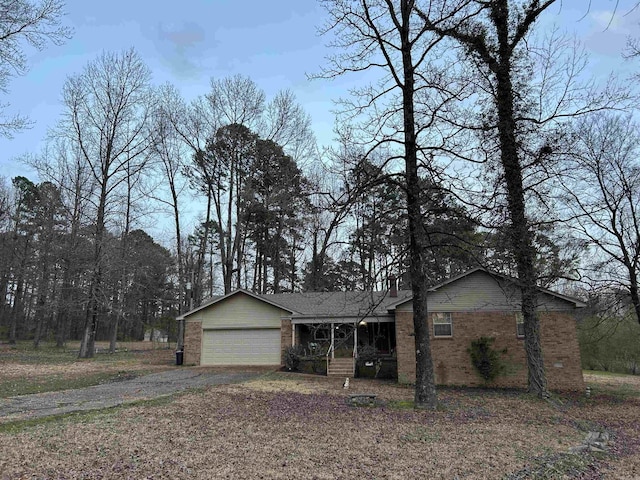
[(609, 30), (182, 36), (620, 21), (181, 45)]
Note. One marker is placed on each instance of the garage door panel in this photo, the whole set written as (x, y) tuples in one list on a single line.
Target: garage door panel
[(241, 347)]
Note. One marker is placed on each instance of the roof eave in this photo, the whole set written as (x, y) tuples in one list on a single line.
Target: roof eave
[(577, 303), (231, 294)]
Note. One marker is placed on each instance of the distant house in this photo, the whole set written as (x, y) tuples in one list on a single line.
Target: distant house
[(155, 335), (244, 328)]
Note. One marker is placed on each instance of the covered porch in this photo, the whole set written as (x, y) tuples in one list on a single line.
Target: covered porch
[(347, 345)]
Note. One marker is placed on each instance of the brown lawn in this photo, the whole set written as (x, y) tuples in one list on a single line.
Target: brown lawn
[(24, 360), (24, 370), (293, 426)]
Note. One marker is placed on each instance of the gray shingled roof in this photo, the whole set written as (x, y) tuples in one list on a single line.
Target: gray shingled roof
[(336, 304), (351, 304)]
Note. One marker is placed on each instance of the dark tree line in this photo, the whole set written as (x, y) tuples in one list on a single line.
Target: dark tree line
[(46, 272)]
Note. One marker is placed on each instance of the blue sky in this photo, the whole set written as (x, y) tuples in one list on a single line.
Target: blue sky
[(274, 42)]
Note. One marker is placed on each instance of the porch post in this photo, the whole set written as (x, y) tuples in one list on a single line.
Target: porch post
[(355, 340), (333, 338), (293, 334)]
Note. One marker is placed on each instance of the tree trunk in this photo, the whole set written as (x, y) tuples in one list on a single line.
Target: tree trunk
[(521, 236), (113, 341), (425, 390), (17, 312), (180, 260), (87, 346), (43, 288), (633, 292)]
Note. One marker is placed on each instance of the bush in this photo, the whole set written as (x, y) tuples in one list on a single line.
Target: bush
[(292, 357), (367, 353), (487, 361)]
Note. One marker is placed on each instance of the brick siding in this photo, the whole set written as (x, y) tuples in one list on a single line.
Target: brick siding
[(452, 363), (192, 342), (285, 337)]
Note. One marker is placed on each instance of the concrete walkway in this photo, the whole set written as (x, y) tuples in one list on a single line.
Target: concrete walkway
[(117, 393)]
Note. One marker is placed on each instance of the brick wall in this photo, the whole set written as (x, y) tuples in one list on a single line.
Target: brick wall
[(285, 337), (452, 363), (192, 342), (405, 347)]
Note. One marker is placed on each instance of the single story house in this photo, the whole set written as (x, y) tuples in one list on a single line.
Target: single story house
[(244, 328)]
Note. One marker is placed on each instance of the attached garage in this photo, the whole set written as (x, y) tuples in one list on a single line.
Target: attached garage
[(240, 328), (241, 347)]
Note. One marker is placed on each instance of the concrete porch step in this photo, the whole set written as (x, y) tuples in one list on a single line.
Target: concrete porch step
[(341, 367)]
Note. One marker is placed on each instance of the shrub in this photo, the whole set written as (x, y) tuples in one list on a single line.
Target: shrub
[(292, 356), (367, 353), (319, 365), (487, 361)]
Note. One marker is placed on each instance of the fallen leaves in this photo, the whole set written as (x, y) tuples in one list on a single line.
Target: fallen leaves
[(243, 431), (297, 426)]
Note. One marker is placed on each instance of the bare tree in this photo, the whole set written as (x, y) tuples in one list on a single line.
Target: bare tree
[(494, 40), (389, 37), (287, 124), (220, 128), (170, 151), (602, 190), (24, 22), (106, 115)]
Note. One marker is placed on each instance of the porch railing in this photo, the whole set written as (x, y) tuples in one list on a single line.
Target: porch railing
[(329, 351)]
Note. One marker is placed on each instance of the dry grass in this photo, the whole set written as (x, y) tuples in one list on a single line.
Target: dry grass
[(24, 370), (298, 426)]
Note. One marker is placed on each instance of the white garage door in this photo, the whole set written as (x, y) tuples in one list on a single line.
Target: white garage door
[(241, 347)]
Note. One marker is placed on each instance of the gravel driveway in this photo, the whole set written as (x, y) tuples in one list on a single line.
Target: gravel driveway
[(116, 393)]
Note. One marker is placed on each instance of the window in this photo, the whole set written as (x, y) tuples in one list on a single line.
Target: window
[(442, 325), (519, 325)]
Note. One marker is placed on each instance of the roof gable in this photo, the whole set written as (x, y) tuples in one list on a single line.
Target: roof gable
[(240, 291), (508, 284)]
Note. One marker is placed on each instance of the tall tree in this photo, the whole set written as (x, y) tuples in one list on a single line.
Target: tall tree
[(23, 22), (223, 170), (602, 190), (49, 222), (235, 100), (275, 208), (493, 37), (62, 165), (21, 248), (381, 34), (106, 117), (169, 149), (493, 43)]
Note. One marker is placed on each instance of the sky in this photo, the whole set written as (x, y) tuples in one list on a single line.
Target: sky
[(274, 42)]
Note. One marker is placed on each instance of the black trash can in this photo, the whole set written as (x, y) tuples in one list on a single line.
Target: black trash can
[(179, 357)]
